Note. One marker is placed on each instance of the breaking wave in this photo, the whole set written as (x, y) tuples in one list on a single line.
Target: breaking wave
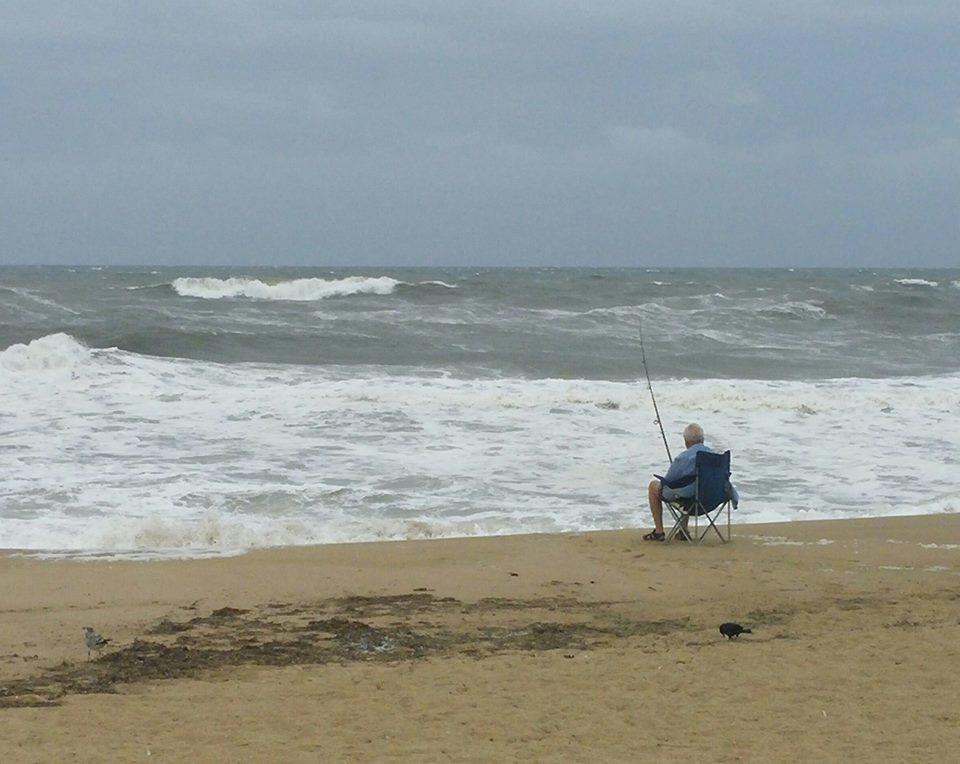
[(214, 534), (52, 352), (298, 289), (917, 282), (303, 290)]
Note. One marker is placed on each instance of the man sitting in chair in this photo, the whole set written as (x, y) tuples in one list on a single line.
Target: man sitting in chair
[(682, 476)]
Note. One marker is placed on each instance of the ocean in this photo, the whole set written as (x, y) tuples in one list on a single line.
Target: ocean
[(194, 411)]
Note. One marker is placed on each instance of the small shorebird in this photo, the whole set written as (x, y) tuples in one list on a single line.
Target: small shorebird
[(95, 642)]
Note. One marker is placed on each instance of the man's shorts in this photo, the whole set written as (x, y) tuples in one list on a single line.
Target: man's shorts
[(669, 494), (673, 494)]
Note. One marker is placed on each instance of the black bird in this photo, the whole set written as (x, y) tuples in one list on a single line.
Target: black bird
[(733, 630)]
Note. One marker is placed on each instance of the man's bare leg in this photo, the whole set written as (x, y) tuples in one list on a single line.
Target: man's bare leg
[(655, 496), (656, 505)]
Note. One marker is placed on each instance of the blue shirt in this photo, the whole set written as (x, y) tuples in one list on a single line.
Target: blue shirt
[(685, 467)]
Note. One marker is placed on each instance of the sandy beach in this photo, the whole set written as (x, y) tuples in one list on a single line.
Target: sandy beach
[(550, 647)]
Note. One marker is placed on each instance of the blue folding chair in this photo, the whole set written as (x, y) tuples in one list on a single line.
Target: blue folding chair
[(711, 498)]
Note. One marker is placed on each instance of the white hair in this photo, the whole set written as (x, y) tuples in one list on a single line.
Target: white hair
[(692, 434)]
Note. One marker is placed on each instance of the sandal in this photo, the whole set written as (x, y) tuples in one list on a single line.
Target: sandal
[(654, 536)]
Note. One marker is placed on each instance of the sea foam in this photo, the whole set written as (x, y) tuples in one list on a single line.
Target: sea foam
[(142, 455)]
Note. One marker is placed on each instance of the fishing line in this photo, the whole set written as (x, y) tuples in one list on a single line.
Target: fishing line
[(646, 371)]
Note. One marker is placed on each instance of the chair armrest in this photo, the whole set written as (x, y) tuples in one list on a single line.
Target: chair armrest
[(684, 481)]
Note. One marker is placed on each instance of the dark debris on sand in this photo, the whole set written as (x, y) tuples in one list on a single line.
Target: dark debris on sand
[(342, 630)]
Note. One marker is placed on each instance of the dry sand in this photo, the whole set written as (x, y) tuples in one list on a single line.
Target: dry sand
[(584, 647)]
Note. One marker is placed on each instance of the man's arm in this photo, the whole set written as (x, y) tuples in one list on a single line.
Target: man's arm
[(676, 471)]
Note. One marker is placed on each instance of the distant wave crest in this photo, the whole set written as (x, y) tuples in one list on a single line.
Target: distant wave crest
[(795, 309), (298, 289), (303, 290), (755, 307), (439, 284), (917, 282)]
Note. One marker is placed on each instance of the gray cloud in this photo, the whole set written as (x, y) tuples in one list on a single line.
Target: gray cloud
[(495, 133)]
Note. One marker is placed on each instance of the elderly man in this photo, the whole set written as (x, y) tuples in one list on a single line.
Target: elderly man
[(680, 480)]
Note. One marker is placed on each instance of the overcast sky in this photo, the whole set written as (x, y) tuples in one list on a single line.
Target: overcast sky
[(821, 133)]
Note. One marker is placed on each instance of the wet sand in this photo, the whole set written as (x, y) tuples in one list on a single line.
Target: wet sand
[(564, 647)]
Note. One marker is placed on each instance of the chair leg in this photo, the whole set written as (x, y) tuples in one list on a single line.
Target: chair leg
[(677, 529), (678, 517), (673, 529), (706, 531), (719, 533), (713, 525), (696, 536)]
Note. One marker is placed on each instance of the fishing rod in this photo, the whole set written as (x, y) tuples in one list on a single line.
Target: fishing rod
[(646, 371)]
